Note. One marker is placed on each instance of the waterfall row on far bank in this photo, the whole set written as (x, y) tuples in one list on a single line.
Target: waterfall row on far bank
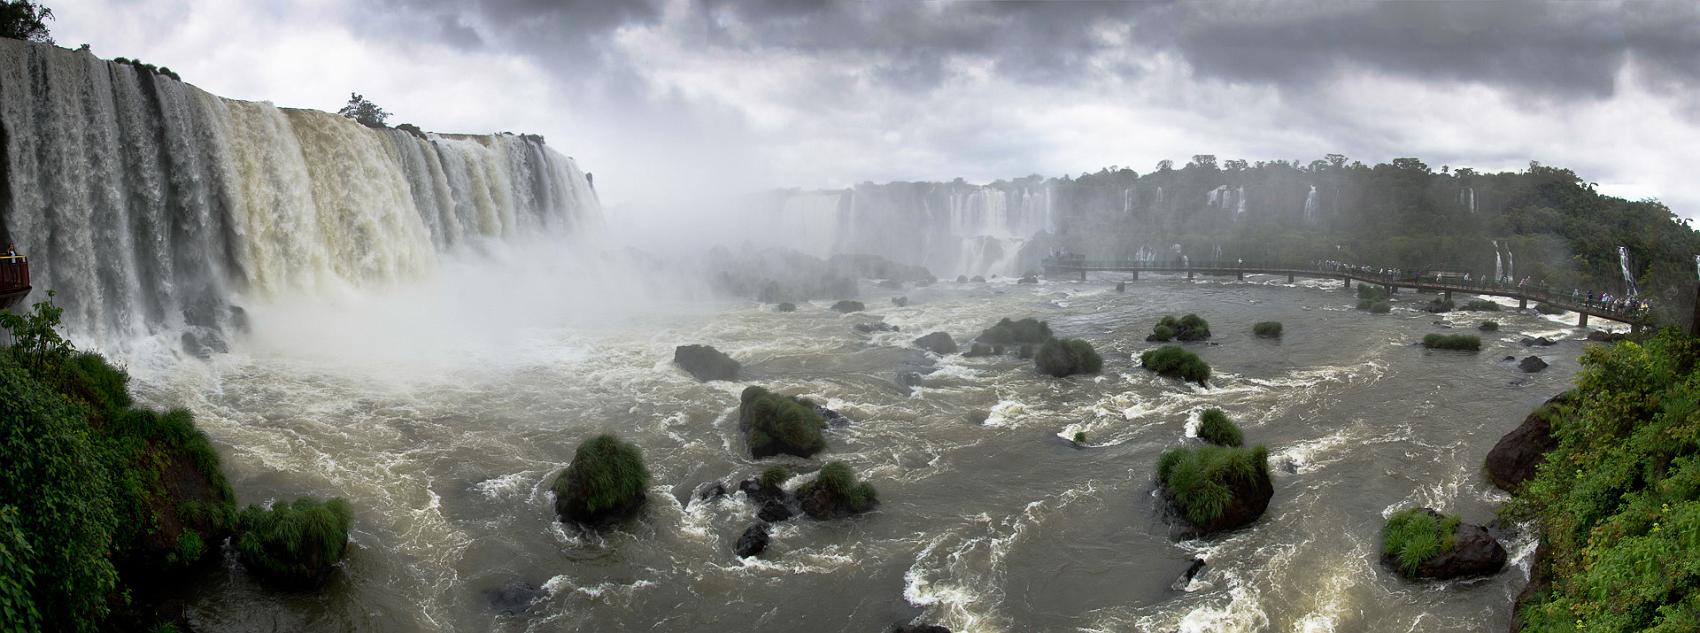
[(149, 204)]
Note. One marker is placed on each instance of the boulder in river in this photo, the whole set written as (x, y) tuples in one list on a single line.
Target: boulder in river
[(938, 343), (775, 424), (847, 306), (982, 349), (900, 301), (979, 280), (1532, 364), (1121, 286), (1513, 459), (1600, 336), (1193, 477), (835, 493), (1422, 543), (786, 307), (604, 483), (1186, 577), (891, 284), (870, 328), (705, 363), (753, 541), (962, 279), (1539, 340), (710, 490)]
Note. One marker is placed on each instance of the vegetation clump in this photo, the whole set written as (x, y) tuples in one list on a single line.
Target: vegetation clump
[(1024, 332), (847, 306), (295, 545), (1489, 326), (1215, 428), (1187, 328), (1439, 305), (1175, 362), (605, 481), (364, 112), (836, 493), (1618, 498), (1379, 307), (1481, 305), (776, 424), (1460, 342), (1413, 535), (25, 20), (1369, 295), (1079, 437), (1267, 329), (1547, 308), (1217, 487), (1065, 357), (786, 306)]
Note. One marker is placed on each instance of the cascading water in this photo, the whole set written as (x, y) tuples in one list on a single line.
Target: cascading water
[(150, 205), (1239, 201), (1628, 278), (1310, 205), (1498, 263)]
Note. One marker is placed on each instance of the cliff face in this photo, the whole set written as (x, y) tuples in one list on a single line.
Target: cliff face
[(149, 204)]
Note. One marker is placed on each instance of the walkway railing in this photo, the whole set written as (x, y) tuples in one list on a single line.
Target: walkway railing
[(14, 272)]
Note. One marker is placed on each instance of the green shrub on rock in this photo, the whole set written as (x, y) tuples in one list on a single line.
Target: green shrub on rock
[(1412, 536), (835, 493), (1267, 329), (1489, 326), (1175, 362), (605, 482), (1481, 305), (1064, 357), (777, 424), (847, 306), (1461, 342), (1187, 328), (1439, 305), (786, 306), (774, 476), (1025, 331), (1217, 487), (1215, 428), (1547, 308), (295, 545)]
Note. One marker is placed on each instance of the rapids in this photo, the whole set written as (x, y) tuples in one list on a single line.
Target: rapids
[(445, 440)]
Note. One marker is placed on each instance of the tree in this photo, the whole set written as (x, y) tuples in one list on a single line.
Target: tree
[(25, 20), (366, 112)]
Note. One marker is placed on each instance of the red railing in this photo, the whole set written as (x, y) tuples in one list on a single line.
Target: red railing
[(14, 272)]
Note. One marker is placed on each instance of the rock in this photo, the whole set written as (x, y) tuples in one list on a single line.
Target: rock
[(870, 328), (900, 301), (962, 279), (1474, 553), (1600, 336), (774, 510), (239, 319), (514, 598), (1541, 341), (203, 342), (891, 284), (919, 628), (979, 280), (1028, 278), (1509, 359), (847, 306), (938, 343), (776, 424), (1532, 364), (1186, 577), (710, 490), (705, 363), (753, 541), (1121, 286), (909, 379), (835, 494), (603, 467), (786, 307), (1513, 459), (982, 349)]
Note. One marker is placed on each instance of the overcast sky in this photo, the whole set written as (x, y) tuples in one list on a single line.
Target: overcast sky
[(679, 99)]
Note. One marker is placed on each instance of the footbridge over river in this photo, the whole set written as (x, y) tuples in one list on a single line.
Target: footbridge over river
[(1444, 285)]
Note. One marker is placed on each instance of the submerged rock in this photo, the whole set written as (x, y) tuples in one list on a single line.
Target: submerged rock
[(774, 510), (1539, 340), (938, 343), (1186, 577), (891, 284), (786, 307), (979, 280), (962, 279), (1029, 278), (753, 542), (1513, 459), (514, 598), (710, 490), (1532, 364), (705, 363)]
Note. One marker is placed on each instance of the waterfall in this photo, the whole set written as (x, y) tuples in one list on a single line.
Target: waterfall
[(1628, 278), (1310, 205), (150, 205), (811, 221), (1498, 264), (1239, 201)]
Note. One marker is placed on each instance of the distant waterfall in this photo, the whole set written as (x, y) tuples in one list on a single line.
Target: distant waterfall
[(151, 205), (1628, 278), (1239, 201), (1498, 263), (1310, 205), (1467, 199)]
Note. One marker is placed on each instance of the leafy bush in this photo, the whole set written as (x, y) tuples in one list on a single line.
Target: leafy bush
[(1618, 499), (606, 478), (1215, 428), (1267, 329), (836, 485), (1007, 332), (1172, 361), (1438, 305), (297, 544), (1200, 478), (1187, 328), (1489, 326), (1481, 305), (1412, 536), (1063, 357), (1545, 308), (1461, 342), (780, 424)]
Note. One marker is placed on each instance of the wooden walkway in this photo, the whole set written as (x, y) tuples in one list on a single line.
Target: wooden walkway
[(1523, 295)]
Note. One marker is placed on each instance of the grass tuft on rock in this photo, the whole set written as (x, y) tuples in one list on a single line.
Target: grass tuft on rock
[(1412, 536), (778, 424), (1199, 479), (1460, 342), (1187, 328), (1547, 308), (1489, 326), (1481, 305), (835, 492), (606, 479), (1439, 305), (1025, 331), (296, 544), (1175, 362), (1215, 428), (774, 476), (1065, 357), (1267, 329)]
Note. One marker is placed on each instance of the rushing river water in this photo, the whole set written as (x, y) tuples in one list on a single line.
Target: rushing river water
[(990, 520)]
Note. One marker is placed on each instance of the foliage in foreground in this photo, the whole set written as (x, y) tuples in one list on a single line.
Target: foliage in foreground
[(1200, 478), (1215, 428), (1063, 357), (1461, 342), (295, 544), (1267, 329), (1412, 536), (1618, 499), (1173, 361), (25, 20)]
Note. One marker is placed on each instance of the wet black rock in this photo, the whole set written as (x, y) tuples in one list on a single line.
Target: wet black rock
[(979, 280), (753, 542), (786, 307), (919, 628), (705, 363), (1121, 286), (909, 379), (870, 328), (1606, 337), (962, 279), (900, 301), (202, 342), (938, 343), (1540, 340), (1513, 459), (1186, 577), (710, 490), (774, 510), (1029, 278), (1532, 364), (514, 598), (982, 349), (1474, 553), (847, 306)]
